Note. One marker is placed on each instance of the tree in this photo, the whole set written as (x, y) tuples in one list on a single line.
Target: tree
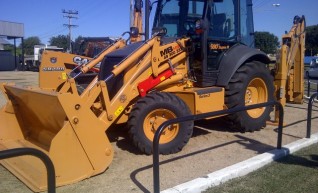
[(10, 47), (29, 43), (60, 41), (76, 44), (311, 40), (266, 42)]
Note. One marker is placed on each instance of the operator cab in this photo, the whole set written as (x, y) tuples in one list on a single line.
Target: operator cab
[(214, 26)]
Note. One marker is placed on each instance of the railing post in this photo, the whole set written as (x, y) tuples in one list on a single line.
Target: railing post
[(280, 124), (308, 87), (317, 90), (156, 175), (51, 184), (155, 145), (309, 114), (155, 157)]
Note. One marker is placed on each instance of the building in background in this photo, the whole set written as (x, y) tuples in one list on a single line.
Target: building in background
[(10, 31), (3, 42)]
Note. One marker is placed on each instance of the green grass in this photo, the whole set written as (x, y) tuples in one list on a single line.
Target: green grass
[(295, 173)]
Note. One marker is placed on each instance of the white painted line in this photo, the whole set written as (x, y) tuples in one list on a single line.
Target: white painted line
[(242, 168)]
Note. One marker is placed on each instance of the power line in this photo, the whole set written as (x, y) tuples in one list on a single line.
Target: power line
[(52, 33), (70, 15), (260, 4)]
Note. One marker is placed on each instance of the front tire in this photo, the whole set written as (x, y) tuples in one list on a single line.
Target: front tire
[(149, 113), (251, 84)]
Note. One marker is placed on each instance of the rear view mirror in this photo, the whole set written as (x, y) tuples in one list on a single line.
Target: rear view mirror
[(134, 32), (160, 31)]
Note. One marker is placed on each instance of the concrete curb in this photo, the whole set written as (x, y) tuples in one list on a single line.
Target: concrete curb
[(241, 168)]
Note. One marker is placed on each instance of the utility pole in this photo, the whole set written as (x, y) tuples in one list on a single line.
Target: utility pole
[(70, 15)]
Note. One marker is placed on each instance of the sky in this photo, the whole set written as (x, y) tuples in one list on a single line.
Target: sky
[(100, 18)]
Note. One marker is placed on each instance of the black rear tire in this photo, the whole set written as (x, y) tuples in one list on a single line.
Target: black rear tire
[(251, 84), (149, 113)]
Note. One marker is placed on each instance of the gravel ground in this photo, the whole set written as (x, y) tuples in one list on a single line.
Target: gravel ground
[(212, 147)]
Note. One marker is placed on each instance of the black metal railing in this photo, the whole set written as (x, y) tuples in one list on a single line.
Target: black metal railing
[(309, 87), (51, 184), (309, 113), (156, 175)]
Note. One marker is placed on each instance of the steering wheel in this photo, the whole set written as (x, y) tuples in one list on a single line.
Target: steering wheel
[(189, 25)]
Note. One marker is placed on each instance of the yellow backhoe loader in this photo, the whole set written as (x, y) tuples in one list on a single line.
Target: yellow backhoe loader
[(200, 59)]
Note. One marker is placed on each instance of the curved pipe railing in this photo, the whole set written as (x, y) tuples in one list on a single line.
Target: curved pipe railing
[(51, 183), (156, 176)]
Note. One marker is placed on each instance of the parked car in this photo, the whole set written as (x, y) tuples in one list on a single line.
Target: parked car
[(312, 72)]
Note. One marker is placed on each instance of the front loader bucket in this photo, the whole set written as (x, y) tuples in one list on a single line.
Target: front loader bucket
[(59, 124)]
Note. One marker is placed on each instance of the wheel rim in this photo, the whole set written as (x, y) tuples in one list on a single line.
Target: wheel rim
[(256, 92), (154, 119)]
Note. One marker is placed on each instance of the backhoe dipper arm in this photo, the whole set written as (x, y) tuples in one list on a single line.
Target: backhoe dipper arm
[(289, 75)]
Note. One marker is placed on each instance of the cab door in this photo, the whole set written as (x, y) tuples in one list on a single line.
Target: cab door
[(229, 22)]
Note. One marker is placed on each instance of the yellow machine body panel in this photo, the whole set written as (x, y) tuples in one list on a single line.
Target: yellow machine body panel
[(203, 100), (56, 66)]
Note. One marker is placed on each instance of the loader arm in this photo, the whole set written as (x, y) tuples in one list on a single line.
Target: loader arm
[(118, 44), (137, 76)]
